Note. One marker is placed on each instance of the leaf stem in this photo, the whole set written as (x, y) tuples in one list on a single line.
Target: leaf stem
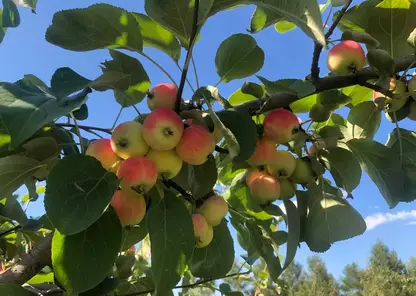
[(85, 127), (187, 80), (81, 140), (117, 118), (221, 150), (195, 71), (188, 57), (160, 67)]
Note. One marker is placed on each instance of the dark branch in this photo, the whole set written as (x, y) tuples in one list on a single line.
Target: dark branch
[(221, 150), (198, 283), (30, 264), (185, 194), (10, 230), (318, 47), (188, 58), (85, 127)]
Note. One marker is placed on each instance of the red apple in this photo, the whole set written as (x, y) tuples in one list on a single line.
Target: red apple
[(101, 150), (264, 154), (130, 207), (398, 88), (204, 232), (263, 188), (137, 173), (345, 57), (162, 96), (284, 166), (214, 210), (280, 125)]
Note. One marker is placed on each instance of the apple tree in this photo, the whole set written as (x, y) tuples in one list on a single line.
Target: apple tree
[(150, 205)]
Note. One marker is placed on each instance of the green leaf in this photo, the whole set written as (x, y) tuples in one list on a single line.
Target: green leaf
[(331, 134), (330, 218), (42, 278), (172, 240), (11, 16), (123, 74), (81, 113), (211, 94), (177, 16), (94, 250), (262, 18), (383, 166), (134, 235), (15, 170), (303, 13), (403, 143), (264, 247), (357, 93), (224, 288), (301, 88), (209, 262), (344, 167), (237, 57), (28, 3), (254, 89), (107, 286), (24, 112), (15, 290), (198, 179), (293, 223), (66, 81), (42, 148), (83, 185), (238, 98), (364, 121), (35, 80), (390, 22), (243, 128), (95, 27), (2, 29), (156, 36), (11, 209), (284, 26), (304, 105), (334, 120), (226, 170)]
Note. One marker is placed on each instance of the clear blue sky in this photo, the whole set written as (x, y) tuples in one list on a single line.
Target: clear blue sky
[(25, 51)]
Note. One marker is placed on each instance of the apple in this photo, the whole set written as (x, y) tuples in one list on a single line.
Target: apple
[(101, 150), (412, 113), (162, 96), (303, 173), (287, 189), (162, 129), (263, 188), (137, 173), (204, 232), (127, 140), (412, 87), (214, 210), (129, 206), (168, 163), (280, 125), (345, 57), (264, 154), (196, 144), (398, 88), (284, 165), (315, 148)]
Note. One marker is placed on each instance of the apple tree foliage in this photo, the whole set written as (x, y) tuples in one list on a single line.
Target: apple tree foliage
[(89, 252)]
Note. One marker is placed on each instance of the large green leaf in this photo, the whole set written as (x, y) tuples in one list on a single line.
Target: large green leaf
[(304, 105), (172, 240), (390, 22), (357, 93), (238, 56), (154, 35), (27, 3), (302, 88), (262, 18), (404, 145), (330, 219), (25, 111), (334, 120), (198, 179), (11, 16), (364, 121), (66, 81), (126, 75), (215, 260), (14, 171), (11, 209), (293, 224), (93, 250), (82, 185), (177, 15), (344, 167), (303, 13), (134, 235), (238, 97), (14, 290), (382, 165), (95, 27), (2, 29)]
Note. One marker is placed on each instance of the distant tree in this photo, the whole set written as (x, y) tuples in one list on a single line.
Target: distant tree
[(351, 284), (411, 266), (382, 256), (292, 279)]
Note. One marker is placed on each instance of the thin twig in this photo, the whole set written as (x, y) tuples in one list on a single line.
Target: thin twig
[(85, 127), (10, 230), (187, 80), (117, 118), (188, 57), (195, 71), (221, 150), (160, 67), (198, 283), (81, 140), (318, 47)]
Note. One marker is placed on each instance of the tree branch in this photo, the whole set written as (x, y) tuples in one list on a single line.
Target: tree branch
[(221, 150), (318, 47), (185, 194), (30, 264), (191, 285), (188, 57), (85, 127)]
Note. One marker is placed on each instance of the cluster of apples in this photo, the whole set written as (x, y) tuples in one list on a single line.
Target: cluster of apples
[(274, 173), (139, 154)]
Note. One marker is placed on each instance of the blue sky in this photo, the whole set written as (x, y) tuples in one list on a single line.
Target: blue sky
[(25, 51)]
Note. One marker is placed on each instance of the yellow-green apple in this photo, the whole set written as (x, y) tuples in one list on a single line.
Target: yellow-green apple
[(345, 57), (264, 154), (280, 125), (287, 189), (319, 113), (162, 96), (412, 113), (284, 165), (303, 173), (214, 210), (129, 206), (215, 131), (204, 233), (399, 99), (196, 144), (137, 173), (168, 163), (263, 188), (127, 140), (162, 129), (101, 150), (411, 86)]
